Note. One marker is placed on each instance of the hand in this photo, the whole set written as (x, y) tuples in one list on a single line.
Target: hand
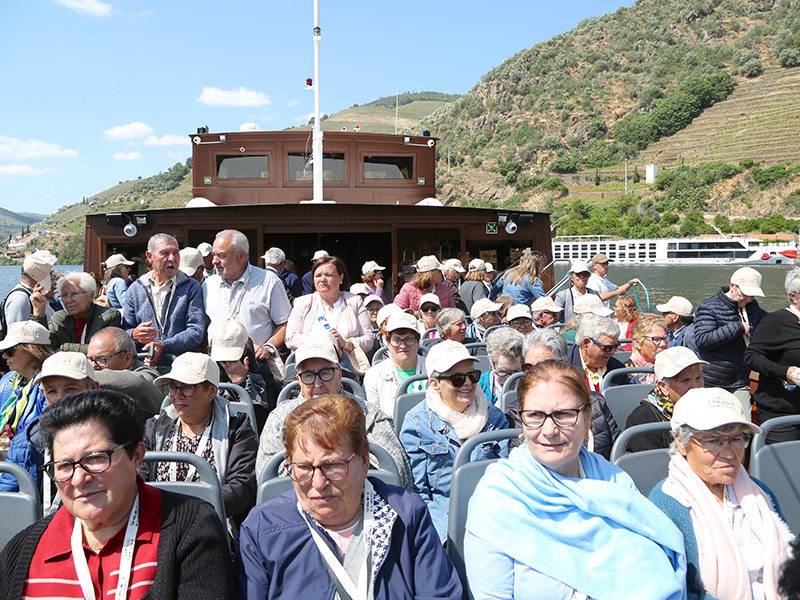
[(262, 353), (789, 374), (157, 349), (144, 333), (339, 339), (38, 300), (237, 370), (378, 281), (746, 328)]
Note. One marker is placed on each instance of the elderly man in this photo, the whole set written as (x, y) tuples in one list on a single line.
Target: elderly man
[(17, 306), (453, 270), (599, 282), (246, 293), (677, 313), (275, 259), (596, 340), (336, 523), (112, 353), (62, 374), (319, 373), (545, 312), (678, 370), (207, 253), (164, 311), (72, 328)]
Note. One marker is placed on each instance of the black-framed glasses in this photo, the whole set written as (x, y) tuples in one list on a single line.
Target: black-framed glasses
[(409, 341), (521, 323), (430, 308), (94, 463), (458, 379), (506, 373), (102, 361), (563, 418), (605, 347), (714, 443), (333, 470), (186, 390), (657, 339), (325, 374)]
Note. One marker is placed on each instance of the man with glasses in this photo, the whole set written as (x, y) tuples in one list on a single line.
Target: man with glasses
[(596, 341), (319, 373), (520, 319), (545, 312), (112, 353)]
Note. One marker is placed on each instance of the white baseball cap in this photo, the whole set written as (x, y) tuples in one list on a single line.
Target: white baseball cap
[(38, 266), (72, 365), (25, 332), (482, 306), (579, 266), (748, 280), (191, 260), (387, 311), (453, 264), (673, 360), (428, 263), (191, 368), (591, 303), (373, 298), (678, 305), (117, 259), (477, 264), (370, 266), (430, 298), (401, 320), (320, 254), (445, 355), (545, 303), (229, 341), (317, 346), (709, 408), (359, 288), (205, 249), (490, 268), (518, 311)]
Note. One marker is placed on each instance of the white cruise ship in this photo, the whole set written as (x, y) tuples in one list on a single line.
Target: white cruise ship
[(704, 250)]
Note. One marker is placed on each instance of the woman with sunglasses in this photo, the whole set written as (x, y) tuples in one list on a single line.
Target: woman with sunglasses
[(429, 308), (454, 409), (198, 421), (555, 521), (736, 539), (650, 337), (113, 533)]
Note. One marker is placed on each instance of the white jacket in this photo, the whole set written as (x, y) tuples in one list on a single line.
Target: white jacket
[(381, 382)]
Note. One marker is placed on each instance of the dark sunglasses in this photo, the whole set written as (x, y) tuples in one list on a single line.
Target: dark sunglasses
[(605, 347), (430, 308), (10, 351), (458, 379)]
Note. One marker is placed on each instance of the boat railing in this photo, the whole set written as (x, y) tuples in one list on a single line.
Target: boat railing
[(561, 281)]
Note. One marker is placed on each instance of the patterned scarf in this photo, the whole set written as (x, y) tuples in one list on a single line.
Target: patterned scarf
[(662, 402)]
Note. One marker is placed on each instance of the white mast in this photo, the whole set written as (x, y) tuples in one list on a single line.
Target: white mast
[(316, 142)]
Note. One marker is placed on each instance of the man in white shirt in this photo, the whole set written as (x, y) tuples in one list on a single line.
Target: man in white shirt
[(35, 271), (599, 280), (252, 296)]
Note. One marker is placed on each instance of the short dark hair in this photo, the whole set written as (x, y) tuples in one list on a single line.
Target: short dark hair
[(121, 416), (329, 420), (338, 263)]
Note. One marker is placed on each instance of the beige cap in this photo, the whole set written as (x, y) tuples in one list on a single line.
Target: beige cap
[(359, 288), (191, 260), (430, 298), (428, 263), (205, 249), (453, 264), (591, 304), (317, 347), (673, 360), (518, 311), (38, 266), (387, 311), (117, 259), (709, 408), (191, 368), (320, 254), (229, 341), (579, 266), (748, 280), (600, 258), (678, 305), (373, 298), (72, 365), (490, 268), (401, 320), (25, 332), (370, 266), (445, 355), (545, 303), (477, 264), (482, 306)]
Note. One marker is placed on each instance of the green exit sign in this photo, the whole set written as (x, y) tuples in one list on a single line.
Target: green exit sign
[(207, 180), (491, 228), (420, 181)]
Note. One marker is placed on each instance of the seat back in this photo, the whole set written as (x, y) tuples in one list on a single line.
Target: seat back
[(622, 399), (648, 467), (381, 354), (240, 392), (776, 465), (246, 408), (19, 509), (493, 328), (623, 355), (509, 395), (289, 368), (403, 404), (244, 404), (478, 350), (354, 388), (428, 342), (286, 391), (617, 377)]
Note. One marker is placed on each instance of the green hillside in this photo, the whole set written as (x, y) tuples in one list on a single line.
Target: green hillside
[(12, 223)]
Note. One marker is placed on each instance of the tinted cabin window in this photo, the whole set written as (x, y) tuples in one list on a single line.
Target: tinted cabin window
[(388, 167), (300, 167), (243, 167)]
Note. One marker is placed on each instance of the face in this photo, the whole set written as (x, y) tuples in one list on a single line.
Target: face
[(601, 269), (457, 398), (618, 312), (319, 387), (403, 344), (377, 277), (522, 324), (57, 387), (20, 360), (579, 280), (489, 319), (715, 469), (124, 271), (75, 300), (457, 331), (437, 276), (739, 296), (165, 260), (689, 379), (452, 275), (556, 448), (547, 318), (334, 504), (103, 346), (194, 409), (327, 279), (428, 313), (593, 355), (372, 310), (506, 367), (102, 499), (230, 264), (208, 262), (654, 342), (671, 318)]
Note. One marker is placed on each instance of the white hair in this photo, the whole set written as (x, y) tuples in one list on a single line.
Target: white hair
[(239, 241), (82, 280), (274, 256)]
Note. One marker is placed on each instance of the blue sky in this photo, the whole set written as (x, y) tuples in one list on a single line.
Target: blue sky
[(100, 91)]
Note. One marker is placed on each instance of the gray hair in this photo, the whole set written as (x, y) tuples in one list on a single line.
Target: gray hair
[(504, 341), (593, 326), (792, 281), (83, 280), (449, 317), (549, 339), (122, 341), (159, 239), (685, 432), (274, 256), (239, 241)]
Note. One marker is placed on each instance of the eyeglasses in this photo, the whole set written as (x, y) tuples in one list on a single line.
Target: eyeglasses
[(657, 340), (325, 374), (566, 417), (94, 463), (505, 373), (520, 323), (714, 443), (10, 351), (458, 379), (187, 391), (430, 308), (374, 309), (72, 296), (605, 347), (102, 361), (332, 470), (407, 341)]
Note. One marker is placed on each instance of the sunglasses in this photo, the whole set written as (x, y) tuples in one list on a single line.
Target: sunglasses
[(430, 308), (605, 347), (10, 351), (458, 379)]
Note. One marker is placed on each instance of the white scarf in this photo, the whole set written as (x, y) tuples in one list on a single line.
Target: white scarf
[(465, 424)]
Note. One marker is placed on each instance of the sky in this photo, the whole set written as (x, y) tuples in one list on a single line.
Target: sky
[(95, 92)]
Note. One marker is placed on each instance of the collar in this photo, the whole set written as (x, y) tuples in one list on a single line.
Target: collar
[(242, 278), (148, 279)]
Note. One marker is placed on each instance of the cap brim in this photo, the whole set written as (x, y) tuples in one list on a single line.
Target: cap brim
[(226, 353), (69, 374), (187, 378), (708, 423), (751, 291)]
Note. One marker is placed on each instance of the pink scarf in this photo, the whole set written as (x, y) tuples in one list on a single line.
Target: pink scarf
[(722, 568)]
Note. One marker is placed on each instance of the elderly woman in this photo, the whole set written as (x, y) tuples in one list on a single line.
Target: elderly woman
[(338, 529), (454, 410), (556, 521), (504, 347), (774, 352), (372, 276), (485, 314), (626, 311), (520, 319), (342, 314), (428, 279), (735, 539), (198, 421), (373, 304), (429, 307), (452, 325), (72, 328), (649, 338), (474, 286), (118, 268), (25, 348), (113, 533), (522, 282), (579, 274)]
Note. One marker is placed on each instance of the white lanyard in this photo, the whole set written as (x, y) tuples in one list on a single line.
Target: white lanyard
[(333, 315), (362, 591), (83, 333), (234, 309), (125, 561), (201, 446), (157, 306)]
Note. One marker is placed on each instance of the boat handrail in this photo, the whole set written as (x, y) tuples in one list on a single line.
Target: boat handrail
[(563, 280)]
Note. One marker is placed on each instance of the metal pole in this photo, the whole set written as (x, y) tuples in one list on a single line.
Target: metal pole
[(396, 107), (626, 176), (316, 142)]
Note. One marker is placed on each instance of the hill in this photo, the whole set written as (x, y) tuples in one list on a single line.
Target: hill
[(12, 223)]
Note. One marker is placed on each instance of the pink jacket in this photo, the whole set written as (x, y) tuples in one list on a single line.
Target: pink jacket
[(410, 295), (354, 323)]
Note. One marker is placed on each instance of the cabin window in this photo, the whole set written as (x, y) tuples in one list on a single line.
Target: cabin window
[(300, 168), (388, 167), (243, 167)]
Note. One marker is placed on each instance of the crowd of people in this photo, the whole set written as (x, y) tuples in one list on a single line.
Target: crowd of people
[(98, 373)]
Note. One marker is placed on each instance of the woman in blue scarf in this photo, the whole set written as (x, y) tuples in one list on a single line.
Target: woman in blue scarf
[(555, 521)]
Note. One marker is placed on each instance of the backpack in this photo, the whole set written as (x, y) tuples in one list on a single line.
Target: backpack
[(3, 324)]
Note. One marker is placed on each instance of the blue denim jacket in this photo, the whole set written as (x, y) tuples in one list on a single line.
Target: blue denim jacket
[(431, 445)]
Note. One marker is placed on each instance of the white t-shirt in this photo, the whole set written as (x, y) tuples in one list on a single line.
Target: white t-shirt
[(602, 285)]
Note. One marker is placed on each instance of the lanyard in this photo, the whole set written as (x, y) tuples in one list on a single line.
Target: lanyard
[(201, 446), (234, 309), (158, 305), (337, 570), (333, 315), (125, 561), (47, 490)]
